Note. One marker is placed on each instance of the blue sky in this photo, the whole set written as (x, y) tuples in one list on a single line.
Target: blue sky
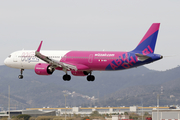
[(110, 25)]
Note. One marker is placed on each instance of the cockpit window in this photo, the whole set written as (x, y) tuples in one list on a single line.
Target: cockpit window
[(9, 56)]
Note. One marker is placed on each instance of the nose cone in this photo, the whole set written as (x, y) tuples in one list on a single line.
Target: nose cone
[(6, 62)]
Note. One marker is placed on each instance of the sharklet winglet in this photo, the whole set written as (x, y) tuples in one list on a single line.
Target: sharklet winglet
[(39, 48)]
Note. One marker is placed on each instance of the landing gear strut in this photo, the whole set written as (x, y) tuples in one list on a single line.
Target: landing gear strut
[(90, 77), (21, 76), (66, 77)]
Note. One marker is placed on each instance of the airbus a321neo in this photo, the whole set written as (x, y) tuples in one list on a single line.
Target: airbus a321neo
[(82, 63)]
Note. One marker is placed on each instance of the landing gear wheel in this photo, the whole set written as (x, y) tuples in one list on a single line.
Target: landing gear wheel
[(20, 76), (90, 78), (66, 77)]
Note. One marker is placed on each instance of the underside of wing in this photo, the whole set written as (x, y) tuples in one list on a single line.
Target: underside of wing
[(55, 63)]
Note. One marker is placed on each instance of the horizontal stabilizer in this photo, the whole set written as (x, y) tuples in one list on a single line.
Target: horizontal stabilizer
[(142, 57)]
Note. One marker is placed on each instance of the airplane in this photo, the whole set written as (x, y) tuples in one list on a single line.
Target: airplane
[(82, 63)]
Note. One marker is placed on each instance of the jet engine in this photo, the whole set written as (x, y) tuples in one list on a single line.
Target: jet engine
[(43, 69), (79, 73)]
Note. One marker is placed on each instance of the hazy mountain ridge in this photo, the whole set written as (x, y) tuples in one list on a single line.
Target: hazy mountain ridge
[(151, 86), (126, 87)]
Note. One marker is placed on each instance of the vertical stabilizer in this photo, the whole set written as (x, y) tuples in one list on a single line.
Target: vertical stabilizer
[(148, 42)]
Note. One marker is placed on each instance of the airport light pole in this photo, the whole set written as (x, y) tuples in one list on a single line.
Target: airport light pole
[(142, 108), (157, 106), (142, 112), (9, 103), (65, 105)]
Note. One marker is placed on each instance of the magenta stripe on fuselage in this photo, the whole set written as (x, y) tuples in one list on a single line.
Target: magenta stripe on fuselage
[(154, 27), (94, 60)]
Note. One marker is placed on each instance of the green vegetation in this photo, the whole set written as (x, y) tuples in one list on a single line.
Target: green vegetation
[(146, 114), (54, 118), (23, 116), (125, 113), (95, 113)]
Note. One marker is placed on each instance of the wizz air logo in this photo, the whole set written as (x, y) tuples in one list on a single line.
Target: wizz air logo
[(29, 57)]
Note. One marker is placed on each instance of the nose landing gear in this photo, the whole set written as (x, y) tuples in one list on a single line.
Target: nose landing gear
[(21, 76)]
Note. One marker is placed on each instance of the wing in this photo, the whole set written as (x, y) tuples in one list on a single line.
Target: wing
[(54, 63)]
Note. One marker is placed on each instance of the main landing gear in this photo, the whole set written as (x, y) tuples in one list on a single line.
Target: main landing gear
[(21, 76), (66, 77), (90, 77)]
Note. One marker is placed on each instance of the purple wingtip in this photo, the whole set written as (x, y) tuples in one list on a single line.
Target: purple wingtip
[(39, 47)]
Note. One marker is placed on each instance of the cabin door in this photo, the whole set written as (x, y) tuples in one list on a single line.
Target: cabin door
[(90, 60)]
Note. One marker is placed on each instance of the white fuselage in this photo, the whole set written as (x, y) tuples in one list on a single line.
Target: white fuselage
[(26, 59)]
